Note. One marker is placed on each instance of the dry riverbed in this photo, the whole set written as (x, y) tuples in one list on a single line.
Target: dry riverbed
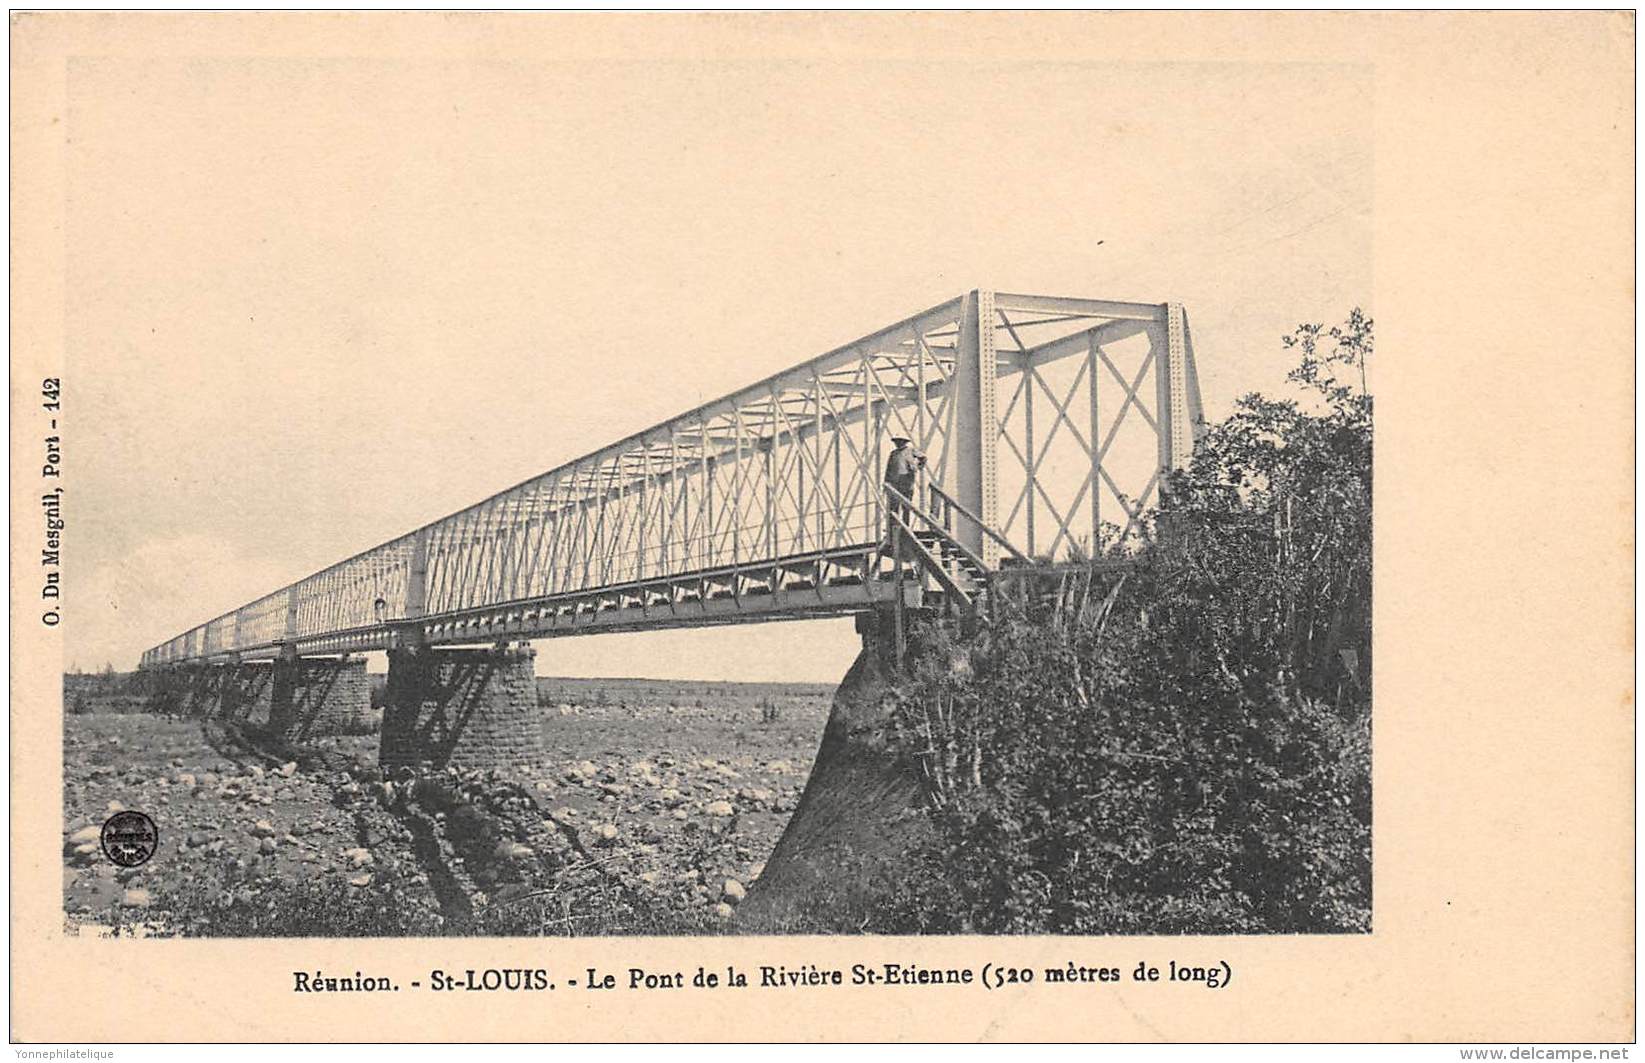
[(654, 813)]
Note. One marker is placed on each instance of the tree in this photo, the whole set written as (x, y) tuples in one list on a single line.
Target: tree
[(1184, 745)]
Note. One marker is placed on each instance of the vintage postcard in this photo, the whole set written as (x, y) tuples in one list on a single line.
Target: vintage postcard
[(822, 526)]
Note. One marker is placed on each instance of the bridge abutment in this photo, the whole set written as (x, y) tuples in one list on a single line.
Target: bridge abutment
[(860, 808), (466, 708)]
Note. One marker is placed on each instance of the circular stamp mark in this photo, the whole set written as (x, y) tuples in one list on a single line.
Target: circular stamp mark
[(130, 838)]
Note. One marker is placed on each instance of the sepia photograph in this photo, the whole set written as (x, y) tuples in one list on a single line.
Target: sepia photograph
[(759, 494), (1066, 594)]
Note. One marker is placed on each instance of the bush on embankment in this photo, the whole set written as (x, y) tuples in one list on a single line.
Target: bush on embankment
[(1183, 746)]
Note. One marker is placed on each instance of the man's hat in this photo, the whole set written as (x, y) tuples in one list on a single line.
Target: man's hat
[(901, 439)]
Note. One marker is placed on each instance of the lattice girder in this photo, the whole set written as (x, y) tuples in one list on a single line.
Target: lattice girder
[(739, 496)]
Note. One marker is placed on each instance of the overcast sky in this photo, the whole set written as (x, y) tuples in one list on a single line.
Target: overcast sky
[(316, 303)]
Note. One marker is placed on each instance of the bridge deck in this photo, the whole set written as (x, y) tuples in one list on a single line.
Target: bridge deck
[(837, 581)]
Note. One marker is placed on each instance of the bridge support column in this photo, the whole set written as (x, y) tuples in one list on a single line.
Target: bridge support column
[(313, 696), (170, 689), (200, 689), (244, 692), (466, 708)]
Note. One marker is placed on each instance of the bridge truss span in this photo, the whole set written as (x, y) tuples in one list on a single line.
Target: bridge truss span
[(1052, 419)]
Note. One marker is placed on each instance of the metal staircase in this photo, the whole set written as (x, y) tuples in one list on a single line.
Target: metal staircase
[(952, 575)]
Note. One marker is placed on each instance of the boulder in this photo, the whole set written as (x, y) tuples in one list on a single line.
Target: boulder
[(507, 850), (719, 808), (758, 796), (732, 892)]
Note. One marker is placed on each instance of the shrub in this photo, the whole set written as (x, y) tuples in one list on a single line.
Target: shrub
[(589, 905), (274, 907), (1181, 744)]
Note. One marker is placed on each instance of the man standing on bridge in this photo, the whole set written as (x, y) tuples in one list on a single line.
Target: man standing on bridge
[(901, 471)]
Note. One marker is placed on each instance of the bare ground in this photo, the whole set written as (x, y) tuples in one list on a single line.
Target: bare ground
[(656, 809)]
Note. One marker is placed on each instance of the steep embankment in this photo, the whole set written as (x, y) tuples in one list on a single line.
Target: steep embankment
[(858, 815)]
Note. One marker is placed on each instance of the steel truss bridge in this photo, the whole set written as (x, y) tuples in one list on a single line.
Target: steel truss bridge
[(1047, 423)]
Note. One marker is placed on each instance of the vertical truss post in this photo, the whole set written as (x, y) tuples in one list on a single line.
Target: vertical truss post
[(976, 423), (771, 492), (800, 520), (676, 475), (840, 521), (291, 617), (739, 473), (817, 440), (1028, 381), (919, 408), (874, 500), (1174, 389), (1159, 347), (877, 467), (1179, 428), (1096, 446), (417, 577), (645, 515), (410, 632), (705, 503)]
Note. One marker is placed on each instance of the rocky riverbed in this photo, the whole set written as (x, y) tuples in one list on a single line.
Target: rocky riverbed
[(654, 814)]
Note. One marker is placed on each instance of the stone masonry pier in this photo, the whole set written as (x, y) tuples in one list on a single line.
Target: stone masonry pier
[(466, 708), (299, 697)]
